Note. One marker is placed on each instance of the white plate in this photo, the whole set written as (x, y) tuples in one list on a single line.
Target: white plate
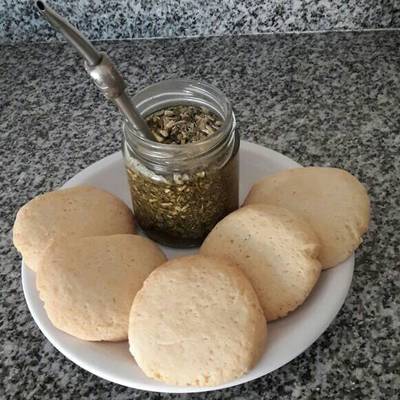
[(287, 338)]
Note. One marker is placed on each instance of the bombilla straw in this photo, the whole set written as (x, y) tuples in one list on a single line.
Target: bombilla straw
[(105, 75)]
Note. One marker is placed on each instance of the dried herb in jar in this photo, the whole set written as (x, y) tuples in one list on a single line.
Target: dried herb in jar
[(183, 124), (184, 213), (180, 209)]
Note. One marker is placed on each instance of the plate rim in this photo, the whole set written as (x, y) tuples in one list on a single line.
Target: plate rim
[(104, 163)]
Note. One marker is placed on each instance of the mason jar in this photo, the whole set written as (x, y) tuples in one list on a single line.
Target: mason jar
[(180, 191)]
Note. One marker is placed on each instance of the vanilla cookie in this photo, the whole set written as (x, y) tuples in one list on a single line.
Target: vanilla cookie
[(77, 212), (196, 322), (88, 284), (277, 251), (333, 201)]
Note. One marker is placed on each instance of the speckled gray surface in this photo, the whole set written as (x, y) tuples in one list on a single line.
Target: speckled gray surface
[(326, 99), (116, 19)]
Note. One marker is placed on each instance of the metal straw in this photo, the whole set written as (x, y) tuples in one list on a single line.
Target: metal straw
[(99, 67)]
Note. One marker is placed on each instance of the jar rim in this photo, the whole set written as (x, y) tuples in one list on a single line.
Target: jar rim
[(186, 84)]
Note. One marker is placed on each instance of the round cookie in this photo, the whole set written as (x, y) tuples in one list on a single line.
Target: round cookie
[(333, 201), (275, 249), (88, 284), (80, 211), (196, 321)]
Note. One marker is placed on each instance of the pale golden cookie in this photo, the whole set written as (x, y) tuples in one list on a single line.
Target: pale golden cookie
[(196, 321), (275, 249), (88, 284), (333, 201), (80, 211)]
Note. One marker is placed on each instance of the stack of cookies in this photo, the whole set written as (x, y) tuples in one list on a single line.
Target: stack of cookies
[(199, 320)]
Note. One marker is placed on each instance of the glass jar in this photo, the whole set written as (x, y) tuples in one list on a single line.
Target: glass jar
[(180, 191)]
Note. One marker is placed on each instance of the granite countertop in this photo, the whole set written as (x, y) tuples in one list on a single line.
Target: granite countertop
[(325, 99), (127, 19)]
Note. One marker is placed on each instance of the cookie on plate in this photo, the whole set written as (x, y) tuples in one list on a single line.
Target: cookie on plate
[(80, 211), (196, 322), (333, 201), (88, 284), (276, 249)]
